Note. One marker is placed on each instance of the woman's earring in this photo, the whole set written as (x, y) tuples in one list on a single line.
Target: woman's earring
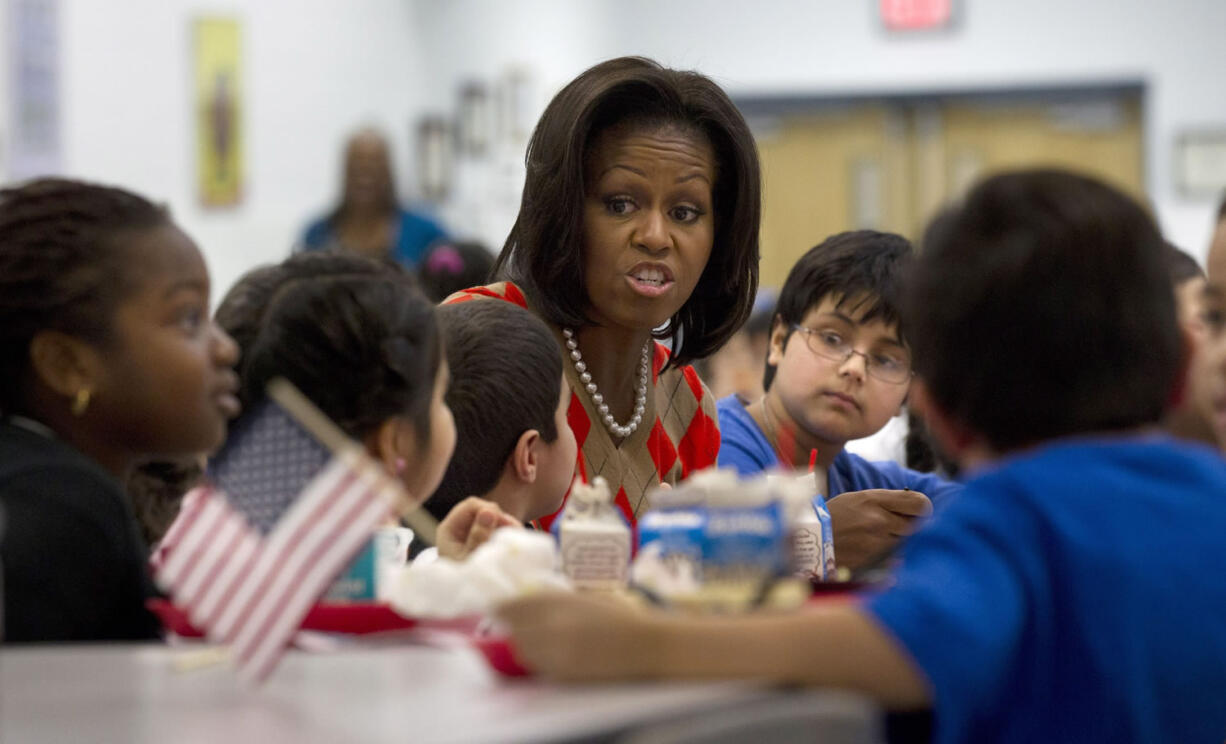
[(80, 402), (400, 465)]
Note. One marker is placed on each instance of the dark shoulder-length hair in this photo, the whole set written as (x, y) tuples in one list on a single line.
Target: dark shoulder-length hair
[(544, 251)]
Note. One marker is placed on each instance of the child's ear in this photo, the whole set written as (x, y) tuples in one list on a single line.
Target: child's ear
[(525, 459), (394, 443), (778, 338), (65, 364)]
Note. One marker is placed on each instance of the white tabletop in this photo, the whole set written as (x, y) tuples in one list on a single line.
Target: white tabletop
[(400, 693)]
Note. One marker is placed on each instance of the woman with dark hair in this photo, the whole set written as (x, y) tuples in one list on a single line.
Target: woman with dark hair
[(639, 224)]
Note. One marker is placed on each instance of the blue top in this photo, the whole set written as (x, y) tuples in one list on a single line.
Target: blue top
[(744, 446), (413, 235), (1073, 593)]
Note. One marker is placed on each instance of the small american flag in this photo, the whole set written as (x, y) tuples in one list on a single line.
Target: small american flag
[(255, 548)]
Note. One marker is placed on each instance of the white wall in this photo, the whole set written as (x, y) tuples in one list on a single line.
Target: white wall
[(314, 71), (1178, 47), (483, 41)]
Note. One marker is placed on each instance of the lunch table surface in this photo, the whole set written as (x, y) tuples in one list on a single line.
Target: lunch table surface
[(360, 692)]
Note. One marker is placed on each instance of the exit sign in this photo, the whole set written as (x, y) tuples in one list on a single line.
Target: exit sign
[(916, 15)]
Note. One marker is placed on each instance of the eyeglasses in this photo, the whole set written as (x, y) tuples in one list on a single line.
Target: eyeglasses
[(828, 344)]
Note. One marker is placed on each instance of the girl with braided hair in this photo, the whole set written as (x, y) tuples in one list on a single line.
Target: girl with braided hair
[(107, 357)]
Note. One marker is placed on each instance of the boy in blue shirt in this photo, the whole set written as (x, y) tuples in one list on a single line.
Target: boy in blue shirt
[(838, 368), (1073, 590)]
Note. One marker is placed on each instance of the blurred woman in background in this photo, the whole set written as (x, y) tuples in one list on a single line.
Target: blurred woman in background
[(369, 221)]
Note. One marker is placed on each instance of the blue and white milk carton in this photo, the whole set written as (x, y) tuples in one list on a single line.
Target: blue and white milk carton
[(671, 537), (812, 538), (745, 538), (369, 576)]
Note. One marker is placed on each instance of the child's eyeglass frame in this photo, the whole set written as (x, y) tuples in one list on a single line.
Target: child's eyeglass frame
[(845, 351)]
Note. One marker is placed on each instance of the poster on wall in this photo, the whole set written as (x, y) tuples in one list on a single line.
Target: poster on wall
[(1200, 163), (219, 138), (33, 63)]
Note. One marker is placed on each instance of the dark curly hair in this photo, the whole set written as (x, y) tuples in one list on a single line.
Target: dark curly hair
[(63, 266), (544, 250), (355, 335)]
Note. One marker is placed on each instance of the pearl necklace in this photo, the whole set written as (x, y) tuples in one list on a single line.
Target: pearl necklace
[(640, 395)]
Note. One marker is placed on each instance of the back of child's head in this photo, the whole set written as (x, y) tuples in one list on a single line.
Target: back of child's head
[(353, 334), (451, 266), (63, 266), (241, 312), (506, 373), (1042, 307), (860, 267)]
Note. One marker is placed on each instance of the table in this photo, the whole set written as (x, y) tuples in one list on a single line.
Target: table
[(367, 692)]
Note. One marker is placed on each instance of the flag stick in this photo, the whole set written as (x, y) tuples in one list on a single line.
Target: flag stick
[(312, 419)]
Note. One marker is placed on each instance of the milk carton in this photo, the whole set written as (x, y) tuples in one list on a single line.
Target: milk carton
[(671, 537), (812, 539), (745, 535), (369, 576), (715, 543), (593, 538), (823, 515)]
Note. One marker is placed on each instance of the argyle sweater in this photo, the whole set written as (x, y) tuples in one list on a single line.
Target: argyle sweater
[(683, 435)]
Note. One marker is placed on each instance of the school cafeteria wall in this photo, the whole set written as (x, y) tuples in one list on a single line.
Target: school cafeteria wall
[(832, 48)]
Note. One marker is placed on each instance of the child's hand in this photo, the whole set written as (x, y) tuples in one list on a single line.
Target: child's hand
[(469, 524), (867, 524), (577, 637)]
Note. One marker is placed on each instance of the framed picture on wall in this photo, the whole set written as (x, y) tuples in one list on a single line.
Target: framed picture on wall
[(1200, 163), (434, 157), (218, 102), (473, 119)]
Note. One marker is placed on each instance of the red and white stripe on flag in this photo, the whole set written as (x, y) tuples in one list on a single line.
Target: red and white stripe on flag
[(253, 592)]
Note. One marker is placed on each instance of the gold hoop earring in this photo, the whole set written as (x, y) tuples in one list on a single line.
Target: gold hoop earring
[(80, 402)]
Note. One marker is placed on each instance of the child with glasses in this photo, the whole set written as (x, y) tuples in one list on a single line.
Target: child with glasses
[(838, 368)]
